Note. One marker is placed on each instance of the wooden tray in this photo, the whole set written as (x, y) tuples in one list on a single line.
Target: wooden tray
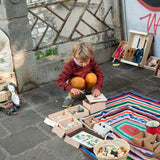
[(69, 139)]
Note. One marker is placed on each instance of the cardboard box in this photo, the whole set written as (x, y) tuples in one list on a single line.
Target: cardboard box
[(157, 152), (74, 111), (68, 121), (139, 138), (94, 107), (138, 40), (149, 142), (59, 116), (91, 121), (151, 63)]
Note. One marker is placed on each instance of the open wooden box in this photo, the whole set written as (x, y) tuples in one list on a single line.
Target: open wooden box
[(157, 152), (59, 116), (119, 52), (74, 111), (139, 138), (138, 40), (149, 142), (91, 121), (151, 63), (83, 141), (157, 71), (72, 127)]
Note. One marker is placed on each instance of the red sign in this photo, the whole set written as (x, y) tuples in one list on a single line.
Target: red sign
[(152, 5)]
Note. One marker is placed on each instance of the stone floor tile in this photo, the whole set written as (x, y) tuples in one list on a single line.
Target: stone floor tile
[(23, 140), (36, 154), (24, 119), (114, 84), (36, 97), (154, 94), (63, 150), (2, 155), (3, 131)]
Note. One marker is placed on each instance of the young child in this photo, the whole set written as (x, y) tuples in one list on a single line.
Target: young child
[(80, 73)]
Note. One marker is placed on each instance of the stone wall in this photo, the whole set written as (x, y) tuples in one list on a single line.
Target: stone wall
[(53, 21), (30, 73)]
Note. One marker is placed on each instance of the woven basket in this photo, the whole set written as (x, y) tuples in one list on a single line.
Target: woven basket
[(116, 142)]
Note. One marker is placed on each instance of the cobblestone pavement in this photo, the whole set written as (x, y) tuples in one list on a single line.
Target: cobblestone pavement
[(26, 137)]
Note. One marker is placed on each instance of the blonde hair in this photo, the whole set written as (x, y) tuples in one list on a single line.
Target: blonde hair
[(83, 50)]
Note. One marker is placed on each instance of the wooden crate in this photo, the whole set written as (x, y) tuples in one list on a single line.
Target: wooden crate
[(157, 71), (72, 128), (60, 116), (78, 114), (124, 46), (151, 63), (6, 78), (139, 40), (5, 96)]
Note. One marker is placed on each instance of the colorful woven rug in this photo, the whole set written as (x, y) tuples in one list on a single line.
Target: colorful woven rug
[(127, 113)]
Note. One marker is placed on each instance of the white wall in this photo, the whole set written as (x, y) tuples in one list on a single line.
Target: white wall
[(134, 11)]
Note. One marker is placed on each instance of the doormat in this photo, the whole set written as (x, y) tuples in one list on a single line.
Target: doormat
[(127, 113)]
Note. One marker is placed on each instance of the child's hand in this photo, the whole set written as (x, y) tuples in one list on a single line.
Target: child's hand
[(96, 93), (76, 91)]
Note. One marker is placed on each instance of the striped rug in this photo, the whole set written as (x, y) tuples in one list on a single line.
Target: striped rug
[(127, 113)]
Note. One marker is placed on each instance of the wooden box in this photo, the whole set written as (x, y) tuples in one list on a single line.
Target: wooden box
[(139, 138), (6, 78), (74, 111), (149, 142), (91, 122), (70, 128), (119, 52), (151, 63), (157, 71), (157, 152), (76, 143), (4, 96), (95, 104), (138, 40), (94, 107), (60, 116)]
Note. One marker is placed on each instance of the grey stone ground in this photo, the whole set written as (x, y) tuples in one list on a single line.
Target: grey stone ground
[(26, 137)]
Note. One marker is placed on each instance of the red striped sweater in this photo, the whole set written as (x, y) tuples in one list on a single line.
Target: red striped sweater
[(71, 69)]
